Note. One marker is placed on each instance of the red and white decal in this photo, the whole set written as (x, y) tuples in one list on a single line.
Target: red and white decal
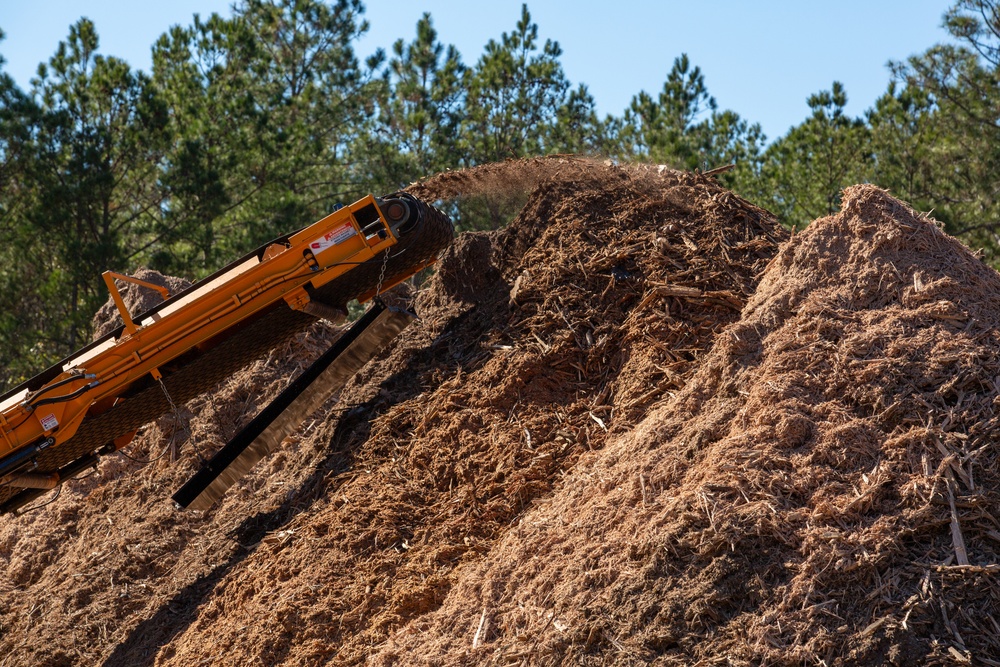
[(333, 237), (49, 422)]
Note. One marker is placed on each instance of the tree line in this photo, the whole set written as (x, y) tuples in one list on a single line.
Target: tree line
[(252, 125)]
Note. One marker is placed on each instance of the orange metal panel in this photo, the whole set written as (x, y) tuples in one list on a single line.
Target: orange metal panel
[(318, 253)]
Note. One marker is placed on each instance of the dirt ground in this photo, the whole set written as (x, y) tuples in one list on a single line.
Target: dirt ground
[(640, 424)]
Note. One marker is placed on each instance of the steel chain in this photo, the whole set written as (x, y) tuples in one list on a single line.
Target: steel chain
[(381, 275), (178, 421)]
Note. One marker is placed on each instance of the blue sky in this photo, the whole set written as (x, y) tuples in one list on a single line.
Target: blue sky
[(760, 59)]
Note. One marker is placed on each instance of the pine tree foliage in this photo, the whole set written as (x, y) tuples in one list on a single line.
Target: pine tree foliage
[(253, 124)]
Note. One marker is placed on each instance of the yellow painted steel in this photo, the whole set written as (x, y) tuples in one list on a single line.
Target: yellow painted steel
[(109, 280), (315, 255)]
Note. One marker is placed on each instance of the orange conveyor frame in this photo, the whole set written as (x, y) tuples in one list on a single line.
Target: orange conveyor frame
[(35, 419)]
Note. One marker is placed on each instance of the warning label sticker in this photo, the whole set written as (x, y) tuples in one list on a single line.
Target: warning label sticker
[(49, 422), (333, 237)]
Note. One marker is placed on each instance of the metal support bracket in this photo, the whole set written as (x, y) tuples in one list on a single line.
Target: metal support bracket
[(109, 280)]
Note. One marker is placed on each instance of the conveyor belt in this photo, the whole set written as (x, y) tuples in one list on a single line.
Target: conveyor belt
[(245, 343)]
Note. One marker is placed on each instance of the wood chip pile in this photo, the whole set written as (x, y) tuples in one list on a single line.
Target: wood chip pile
[(627, 428), (823, 491)]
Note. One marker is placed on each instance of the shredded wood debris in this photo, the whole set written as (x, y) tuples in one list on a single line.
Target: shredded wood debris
[(638, 424)]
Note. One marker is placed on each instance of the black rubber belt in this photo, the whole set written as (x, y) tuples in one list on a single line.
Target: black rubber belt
[(303, 396)]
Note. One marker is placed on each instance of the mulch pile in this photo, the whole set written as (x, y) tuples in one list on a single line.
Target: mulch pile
[(823, 491), (603, 442)]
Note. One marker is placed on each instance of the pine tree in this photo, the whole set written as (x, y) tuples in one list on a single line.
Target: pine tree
[(95, 166), (421, 97), (266, 105), (683, 127), (515, 92), (808, 167), (962, 85), (674, 127)]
